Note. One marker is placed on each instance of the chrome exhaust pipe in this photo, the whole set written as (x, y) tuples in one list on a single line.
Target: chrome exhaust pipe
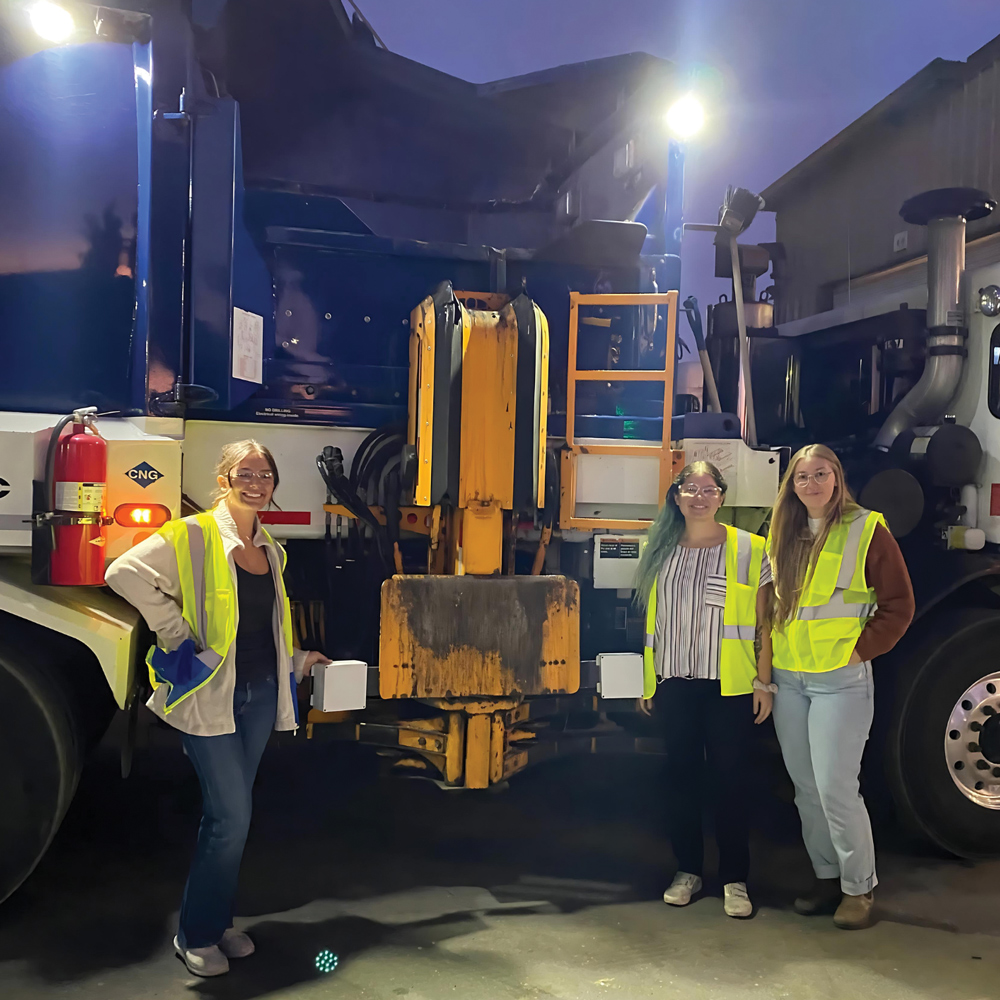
[(945, 212)]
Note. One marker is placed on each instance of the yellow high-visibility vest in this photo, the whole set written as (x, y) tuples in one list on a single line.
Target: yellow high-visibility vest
[(208, 605), (836, 601), (737, 659)]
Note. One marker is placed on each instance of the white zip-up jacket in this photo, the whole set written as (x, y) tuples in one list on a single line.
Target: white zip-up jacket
[(147, 577)]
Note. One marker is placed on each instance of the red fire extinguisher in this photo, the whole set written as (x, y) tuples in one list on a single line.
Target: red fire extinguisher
[(78, 481)]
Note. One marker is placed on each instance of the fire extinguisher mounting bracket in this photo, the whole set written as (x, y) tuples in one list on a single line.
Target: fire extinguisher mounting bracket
[(62, 520)]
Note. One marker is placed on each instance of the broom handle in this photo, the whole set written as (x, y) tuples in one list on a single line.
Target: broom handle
[(750, 430), (711, 389)]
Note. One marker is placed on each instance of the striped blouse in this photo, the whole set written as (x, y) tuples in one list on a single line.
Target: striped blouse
[(689, 604)]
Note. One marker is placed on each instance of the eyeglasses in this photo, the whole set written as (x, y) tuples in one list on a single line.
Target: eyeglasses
[(690, 490), (248, 476), (819, 478)]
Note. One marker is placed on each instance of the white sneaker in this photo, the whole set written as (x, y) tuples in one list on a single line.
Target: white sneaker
[(236, 944), (203, 961), (737, 902), (683, 887)]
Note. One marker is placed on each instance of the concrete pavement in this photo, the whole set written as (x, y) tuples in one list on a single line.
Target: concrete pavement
[(547, 890)]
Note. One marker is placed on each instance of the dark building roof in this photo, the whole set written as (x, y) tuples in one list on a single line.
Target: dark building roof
[(936, 78)]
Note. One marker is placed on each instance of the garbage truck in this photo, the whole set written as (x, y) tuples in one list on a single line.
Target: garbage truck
[(878, 334), (448, 309)]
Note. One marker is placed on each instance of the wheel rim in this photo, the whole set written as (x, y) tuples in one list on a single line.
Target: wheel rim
[(972, 742)]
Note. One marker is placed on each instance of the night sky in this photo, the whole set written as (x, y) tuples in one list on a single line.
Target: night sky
[(787, 74)]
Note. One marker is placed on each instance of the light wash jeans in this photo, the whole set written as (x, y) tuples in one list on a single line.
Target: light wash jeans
[(226, 766), (823, 721)]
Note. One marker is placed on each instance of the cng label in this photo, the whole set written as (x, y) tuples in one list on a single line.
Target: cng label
[(144, 474)]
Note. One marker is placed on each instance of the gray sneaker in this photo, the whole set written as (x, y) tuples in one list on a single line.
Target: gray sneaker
[(683, 887), (736, 901), (204, 962)]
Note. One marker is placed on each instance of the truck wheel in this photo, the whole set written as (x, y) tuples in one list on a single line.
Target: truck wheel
[(40, 761), (943, 756)]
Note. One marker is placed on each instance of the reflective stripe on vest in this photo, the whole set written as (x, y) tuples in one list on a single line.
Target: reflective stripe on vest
[(836, 602), (737, 657), (209, 600)]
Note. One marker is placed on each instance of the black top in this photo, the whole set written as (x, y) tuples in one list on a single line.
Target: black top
[(256, 654)]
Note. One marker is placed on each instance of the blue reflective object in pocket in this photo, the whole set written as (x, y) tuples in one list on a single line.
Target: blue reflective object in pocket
[(181, 669)]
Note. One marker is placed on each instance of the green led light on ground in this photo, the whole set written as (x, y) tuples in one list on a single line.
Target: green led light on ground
[(326, 961)]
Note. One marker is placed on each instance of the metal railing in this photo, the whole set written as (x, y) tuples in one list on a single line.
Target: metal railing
[(668, 459)]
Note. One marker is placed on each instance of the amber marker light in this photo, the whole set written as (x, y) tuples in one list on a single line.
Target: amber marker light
[(141, 515)]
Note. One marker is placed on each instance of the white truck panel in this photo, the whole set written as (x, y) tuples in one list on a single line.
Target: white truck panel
[(18, 445), (104, 623), (294, 446), (752, 476), (143, 467), (971, 403), (617, 479)]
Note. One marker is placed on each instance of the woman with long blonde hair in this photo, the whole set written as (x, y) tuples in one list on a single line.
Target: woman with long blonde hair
[(223, 673), (699, 583), (842, 596)]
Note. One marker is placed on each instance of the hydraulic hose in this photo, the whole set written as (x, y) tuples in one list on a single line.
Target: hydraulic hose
[(369, 446), (331, 467)]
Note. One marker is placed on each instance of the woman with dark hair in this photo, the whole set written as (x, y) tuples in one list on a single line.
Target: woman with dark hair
[(700, 584), (223, 672), (842, 596)]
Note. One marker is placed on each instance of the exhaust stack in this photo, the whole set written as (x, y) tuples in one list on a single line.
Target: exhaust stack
[(945, 212)]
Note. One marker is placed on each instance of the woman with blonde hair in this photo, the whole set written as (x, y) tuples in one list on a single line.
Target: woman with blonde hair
[(700, 582), (223, 673), (842, 596)]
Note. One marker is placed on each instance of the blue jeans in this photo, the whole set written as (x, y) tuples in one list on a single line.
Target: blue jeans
[(822, 721), (226, 767)]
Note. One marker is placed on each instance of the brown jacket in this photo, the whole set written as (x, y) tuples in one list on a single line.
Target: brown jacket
[(887, 575)]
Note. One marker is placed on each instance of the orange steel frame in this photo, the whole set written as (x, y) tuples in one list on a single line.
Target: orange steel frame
[(670, 461)]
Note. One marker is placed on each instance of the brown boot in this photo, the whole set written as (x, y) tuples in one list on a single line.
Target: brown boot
[(855, 912), (823, 899)]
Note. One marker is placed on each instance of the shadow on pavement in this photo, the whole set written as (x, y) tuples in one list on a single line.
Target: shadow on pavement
[(339, 860)]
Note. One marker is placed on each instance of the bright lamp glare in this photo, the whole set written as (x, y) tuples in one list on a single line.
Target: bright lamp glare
[(51, 21), (686, 117)]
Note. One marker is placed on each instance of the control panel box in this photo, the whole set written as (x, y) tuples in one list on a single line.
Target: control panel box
[(620, 675), (340, 686)]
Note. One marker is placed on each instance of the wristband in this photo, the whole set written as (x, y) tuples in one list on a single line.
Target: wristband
[(759, 685)]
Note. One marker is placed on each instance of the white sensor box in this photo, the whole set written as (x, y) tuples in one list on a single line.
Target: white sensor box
[(620, 675), (340, 686)]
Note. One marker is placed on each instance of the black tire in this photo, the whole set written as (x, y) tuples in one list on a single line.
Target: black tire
[(41, 756), (937, 663)]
